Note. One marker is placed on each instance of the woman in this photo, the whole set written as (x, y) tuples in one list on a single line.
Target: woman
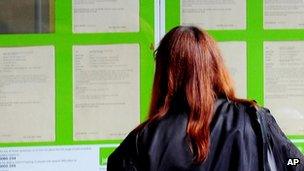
[(196, 122)]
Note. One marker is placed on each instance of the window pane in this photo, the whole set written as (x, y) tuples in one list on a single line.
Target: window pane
[(26, 16)]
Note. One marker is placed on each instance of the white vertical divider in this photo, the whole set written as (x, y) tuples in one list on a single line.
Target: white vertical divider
[(159, 21), (162, 18)]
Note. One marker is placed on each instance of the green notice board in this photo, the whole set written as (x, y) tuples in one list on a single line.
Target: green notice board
[(254, 34), (63, 39)]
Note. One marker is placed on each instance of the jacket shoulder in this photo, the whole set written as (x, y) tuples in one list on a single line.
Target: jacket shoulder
[(125, 156), (143, 148)]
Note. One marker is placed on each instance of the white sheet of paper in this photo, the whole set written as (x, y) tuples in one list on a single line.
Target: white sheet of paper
[(235, 57), (51, 158), (27, 94), (105, 16), (106, 91), (214, 14), (284, 84), (282, 14)]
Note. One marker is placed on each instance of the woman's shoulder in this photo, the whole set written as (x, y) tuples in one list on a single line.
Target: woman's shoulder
[(233, 114), (150, 139)]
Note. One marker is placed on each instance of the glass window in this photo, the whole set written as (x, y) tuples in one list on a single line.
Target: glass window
[(26, 16)]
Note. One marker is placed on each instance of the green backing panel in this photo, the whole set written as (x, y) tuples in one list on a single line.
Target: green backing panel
[(254, 35), (105, 153), (63, 39)]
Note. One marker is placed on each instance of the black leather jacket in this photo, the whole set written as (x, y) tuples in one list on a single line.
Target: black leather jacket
[(236, 144)]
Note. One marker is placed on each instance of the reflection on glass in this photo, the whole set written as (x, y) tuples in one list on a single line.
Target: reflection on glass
[(26, 16)]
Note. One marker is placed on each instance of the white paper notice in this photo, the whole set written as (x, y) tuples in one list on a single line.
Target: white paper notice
[(61, 158), (284, 84), (214, 14), (27, 100), (106, 91), (105, 16), (235, 57), (280, 14)]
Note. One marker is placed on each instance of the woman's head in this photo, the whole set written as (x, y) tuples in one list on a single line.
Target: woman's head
[(190, 72), (188, 60)]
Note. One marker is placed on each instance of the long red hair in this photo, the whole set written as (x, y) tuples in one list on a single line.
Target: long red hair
[(190, 71)]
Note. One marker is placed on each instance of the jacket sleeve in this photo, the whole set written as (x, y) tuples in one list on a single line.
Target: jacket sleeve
[(125, 157), (283, 149)]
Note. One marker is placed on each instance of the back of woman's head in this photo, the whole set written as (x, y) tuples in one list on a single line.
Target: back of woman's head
[(190, 72)]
